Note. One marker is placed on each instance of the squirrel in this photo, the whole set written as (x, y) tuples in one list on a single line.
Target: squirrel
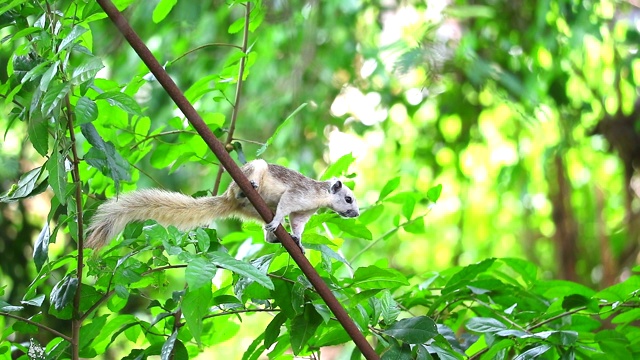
[(286, 192)]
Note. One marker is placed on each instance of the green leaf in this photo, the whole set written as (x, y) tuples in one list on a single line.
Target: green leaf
[(199, 273), (614, 344), (485, 325), (621, 291), (167, 347), (74, 34), (339, 167), (408, 206), (433, 194), (41, 247), (162, 10), (371, 214), (51, 99), (6, 307), (63, 292), (422, 353), (352, 227), (280, 127), (195, 305), (89, 331), (26, 187), (48, 76), (533, 352), (58, 176), (87, 71), (498, 350), (39, 134), (390, 309), (242, 268), (527, 270), (416, 226), (103, 156), (34, 72), (575, 300), (272, 331), (373, 277), (397, 352), (34, 301), (303, 327), (236, 26), (444, 350), (415, 330), (389, 187), (86, 111), (121, 100), (467, 273)]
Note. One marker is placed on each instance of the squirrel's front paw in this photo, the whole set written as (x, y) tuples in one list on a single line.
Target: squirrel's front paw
[(272, 226), (298, 242)]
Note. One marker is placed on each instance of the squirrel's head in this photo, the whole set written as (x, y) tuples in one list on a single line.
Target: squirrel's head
[(342, 200)]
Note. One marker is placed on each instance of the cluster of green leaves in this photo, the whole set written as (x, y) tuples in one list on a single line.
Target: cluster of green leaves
[(501, 308), (163, 292)]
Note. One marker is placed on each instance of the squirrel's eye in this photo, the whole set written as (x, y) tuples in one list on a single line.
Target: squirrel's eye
[(348, 199)]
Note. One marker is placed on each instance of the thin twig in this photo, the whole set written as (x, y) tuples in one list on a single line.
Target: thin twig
[(236, 105), (231, 312), (172, 132), (387, 234), (202, 47), (76, 323), (41, 326)]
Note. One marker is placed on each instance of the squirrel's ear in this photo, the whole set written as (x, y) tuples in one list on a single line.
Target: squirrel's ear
[(336, 185)]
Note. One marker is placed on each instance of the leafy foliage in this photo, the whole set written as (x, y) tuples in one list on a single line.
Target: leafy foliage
[(161, 292)]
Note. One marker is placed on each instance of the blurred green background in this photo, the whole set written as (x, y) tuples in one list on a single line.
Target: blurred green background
[(527, 113)]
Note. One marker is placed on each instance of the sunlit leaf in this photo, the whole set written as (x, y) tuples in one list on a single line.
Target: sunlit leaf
[(6, 307), (162, 10), (533, 352), (199, 273), (339, 167), (87, 71), (121, 100), (433, 194), (389, 187), (75, 33), (167, 348), (242, 268), (373, 277), (26, 186), (485, 325), (54, 95), (48, 76)]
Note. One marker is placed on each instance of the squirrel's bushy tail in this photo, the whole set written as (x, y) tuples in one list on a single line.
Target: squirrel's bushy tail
[(167, 208)]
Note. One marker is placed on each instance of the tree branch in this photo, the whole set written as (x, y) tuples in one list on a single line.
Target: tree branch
[(41, 326), (76, 322), (236, 105)]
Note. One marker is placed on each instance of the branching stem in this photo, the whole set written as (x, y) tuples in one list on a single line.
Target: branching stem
[(236, 105)]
